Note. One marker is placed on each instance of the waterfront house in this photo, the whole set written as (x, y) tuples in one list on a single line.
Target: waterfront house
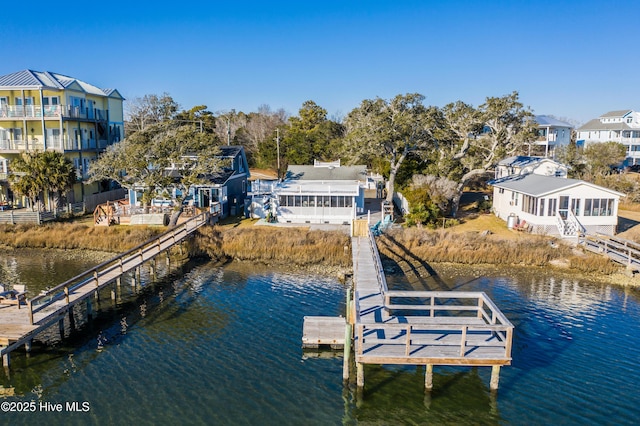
[(621, 126), (519, 164), (555, 206), (224, 191), (50, 111), (325, 192), (551, 134)]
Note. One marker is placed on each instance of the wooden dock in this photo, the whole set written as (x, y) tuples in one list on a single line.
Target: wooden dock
[(624, 252), (421, 327), (19, 325)]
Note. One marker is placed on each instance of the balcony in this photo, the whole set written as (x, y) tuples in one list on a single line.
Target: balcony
[(53, 144), (55, 112)]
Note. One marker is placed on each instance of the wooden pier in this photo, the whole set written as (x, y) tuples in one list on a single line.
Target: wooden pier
[(19, 325), (624, 252), (421, 327)]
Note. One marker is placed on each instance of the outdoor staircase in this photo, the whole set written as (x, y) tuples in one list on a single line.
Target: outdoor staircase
[(569, 227)]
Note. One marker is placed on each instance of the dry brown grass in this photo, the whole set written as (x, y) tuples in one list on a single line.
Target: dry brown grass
[(475, 248), (76, 236), (293, 246)]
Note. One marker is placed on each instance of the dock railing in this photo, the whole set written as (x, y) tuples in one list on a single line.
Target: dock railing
[(625, 252), (463, 314), (106, 272), (382, 281)]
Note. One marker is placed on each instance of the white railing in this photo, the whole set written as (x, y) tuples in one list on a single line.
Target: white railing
[(51, 111), (569, 227)]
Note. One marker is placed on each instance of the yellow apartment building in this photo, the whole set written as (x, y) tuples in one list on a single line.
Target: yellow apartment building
[(50, 111)]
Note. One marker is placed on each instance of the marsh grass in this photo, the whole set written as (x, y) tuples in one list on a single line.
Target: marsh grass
[(476, 248), (292, 246), (70, 236)]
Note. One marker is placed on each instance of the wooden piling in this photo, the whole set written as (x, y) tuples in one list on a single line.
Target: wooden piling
[(495, 377), (61, 328), (428, 378), (113, 292), (6, 360), (347, 352), (89, 309), (360, 374), (27, 346), (72, 320)]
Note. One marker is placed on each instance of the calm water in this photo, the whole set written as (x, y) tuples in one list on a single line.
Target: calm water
[(221, 345)]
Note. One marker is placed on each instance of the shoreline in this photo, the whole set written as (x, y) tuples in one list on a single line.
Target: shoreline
[(328, 252)]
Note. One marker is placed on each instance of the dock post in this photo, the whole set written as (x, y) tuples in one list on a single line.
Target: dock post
[(347, 352), (113, 291), (72, 319), (27, 346), (495, 377), (428, 378), (61, 328), (168, 259), (152, 269), (133, 279), (6, 360), (89, 309), (360, 374)]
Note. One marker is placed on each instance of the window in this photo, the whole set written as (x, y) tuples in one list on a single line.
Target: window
[(500, 190), (542, 207), (51, 100), (551, 211), (575, 206), (598, 207)]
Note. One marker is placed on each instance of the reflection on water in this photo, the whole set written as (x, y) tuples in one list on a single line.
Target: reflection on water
[(222, 345)]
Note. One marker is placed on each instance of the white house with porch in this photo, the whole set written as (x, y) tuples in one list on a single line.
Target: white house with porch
[(556, 206), (323, 193)]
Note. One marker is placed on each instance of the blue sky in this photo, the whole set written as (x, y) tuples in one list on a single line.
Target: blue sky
[(573, 59)]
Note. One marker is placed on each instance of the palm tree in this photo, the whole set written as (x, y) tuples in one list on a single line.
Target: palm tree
[(34, 173)]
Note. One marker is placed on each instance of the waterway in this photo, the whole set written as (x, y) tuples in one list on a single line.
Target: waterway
[(210, 344)]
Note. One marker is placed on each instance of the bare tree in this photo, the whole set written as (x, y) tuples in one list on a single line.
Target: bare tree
[(140, 113)]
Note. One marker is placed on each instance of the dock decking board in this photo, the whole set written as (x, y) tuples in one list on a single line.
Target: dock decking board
[(417, 334)]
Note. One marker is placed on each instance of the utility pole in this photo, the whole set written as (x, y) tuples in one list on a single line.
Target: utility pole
[(228, 131)]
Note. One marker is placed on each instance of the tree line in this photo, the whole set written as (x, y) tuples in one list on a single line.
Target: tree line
[(430, 153)]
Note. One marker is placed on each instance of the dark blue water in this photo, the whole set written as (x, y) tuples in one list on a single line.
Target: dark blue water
[(222, 345)]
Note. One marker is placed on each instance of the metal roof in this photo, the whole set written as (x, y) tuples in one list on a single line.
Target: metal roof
[(539, 186), (358, 173), (29, 79), (545, 120), (520, 161)]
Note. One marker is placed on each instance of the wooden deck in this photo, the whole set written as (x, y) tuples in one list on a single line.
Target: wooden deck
[(422, 327), (20, 324)]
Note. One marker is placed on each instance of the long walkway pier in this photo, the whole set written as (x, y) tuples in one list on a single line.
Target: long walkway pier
[(19, 325), (420, 327), (624, 252)]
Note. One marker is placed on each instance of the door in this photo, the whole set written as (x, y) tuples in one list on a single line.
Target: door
[(563, 206)]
